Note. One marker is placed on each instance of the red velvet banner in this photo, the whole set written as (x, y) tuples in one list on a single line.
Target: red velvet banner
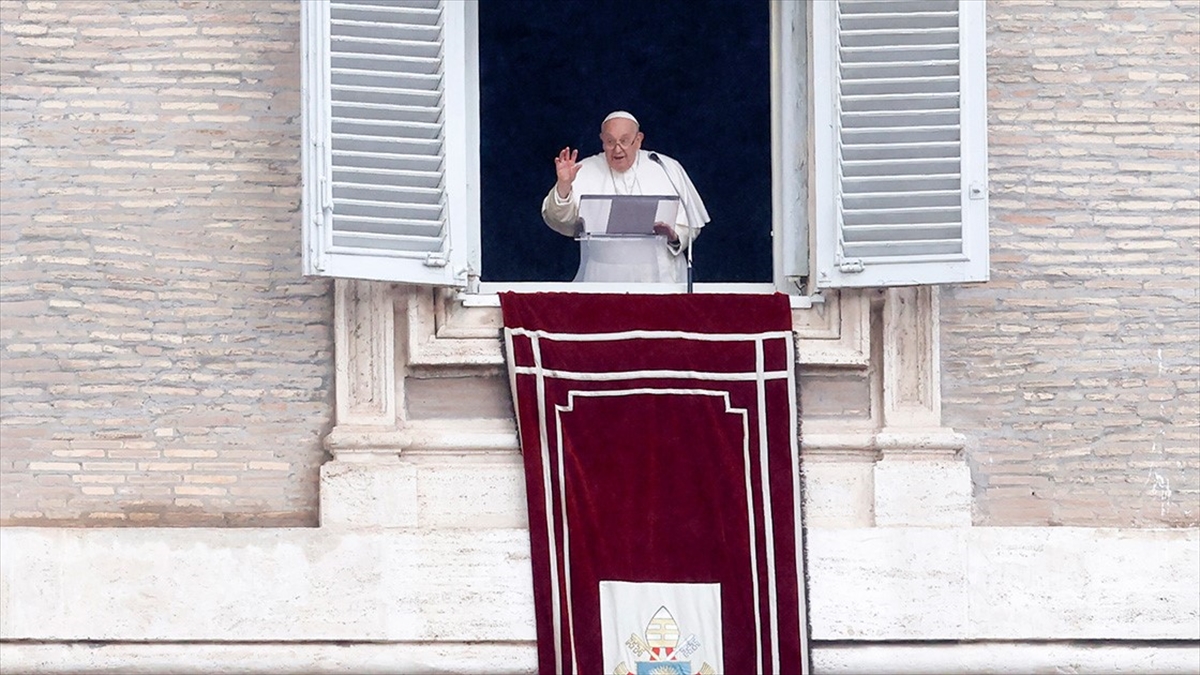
[(659, 435)]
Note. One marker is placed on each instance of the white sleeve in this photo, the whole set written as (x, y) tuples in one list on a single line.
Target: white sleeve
[(690, 206), (562, 215)]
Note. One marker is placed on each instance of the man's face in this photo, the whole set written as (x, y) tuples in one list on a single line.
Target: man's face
[(621, 140)]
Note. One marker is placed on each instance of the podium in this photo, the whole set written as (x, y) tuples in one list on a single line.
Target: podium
[(617, 241), (628, 259)]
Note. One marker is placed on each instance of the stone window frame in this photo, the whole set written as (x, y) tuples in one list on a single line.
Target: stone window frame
[(898, 466)]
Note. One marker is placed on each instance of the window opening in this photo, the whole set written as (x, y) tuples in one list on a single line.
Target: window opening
[(696, 73)]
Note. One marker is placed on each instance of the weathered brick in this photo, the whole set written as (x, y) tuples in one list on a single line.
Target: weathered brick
[(1109, 305), (1056, 368), (146, 212)]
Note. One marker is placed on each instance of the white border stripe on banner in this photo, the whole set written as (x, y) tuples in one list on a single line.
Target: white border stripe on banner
[(760, 376), (744, 415), (556, 616), (797, 529), (562, 500), (652, 335), (614, 375), (758, 644), (768, 521)]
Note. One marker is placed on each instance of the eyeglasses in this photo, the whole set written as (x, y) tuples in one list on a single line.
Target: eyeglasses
[(625, 143)]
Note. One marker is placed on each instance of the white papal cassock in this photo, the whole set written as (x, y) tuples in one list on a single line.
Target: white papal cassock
[(615, 260)]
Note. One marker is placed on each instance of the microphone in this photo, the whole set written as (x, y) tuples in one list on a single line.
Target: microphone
[(658, 160)]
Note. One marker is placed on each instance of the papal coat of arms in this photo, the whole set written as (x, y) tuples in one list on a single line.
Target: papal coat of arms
[(659, 651)]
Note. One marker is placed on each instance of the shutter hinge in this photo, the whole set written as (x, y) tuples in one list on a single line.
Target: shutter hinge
[(850, 266), (975, 191), (314, 251), (323, 180), (436, 260), (326, 195)]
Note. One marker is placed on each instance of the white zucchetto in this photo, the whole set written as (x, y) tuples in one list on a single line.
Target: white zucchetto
[(619, 114)]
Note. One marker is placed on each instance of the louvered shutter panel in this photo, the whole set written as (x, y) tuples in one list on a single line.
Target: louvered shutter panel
[(391, 141), (901, 159)]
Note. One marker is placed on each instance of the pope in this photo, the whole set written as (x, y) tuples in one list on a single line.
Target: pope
[(623, 168)]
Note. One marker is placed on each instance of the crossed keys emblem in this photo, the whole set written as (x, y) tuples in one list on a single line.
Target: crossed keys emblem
[(658, 651)]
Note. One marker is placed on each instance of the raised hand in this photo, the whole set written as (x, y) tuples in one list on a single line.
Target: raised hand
[(566, 168)]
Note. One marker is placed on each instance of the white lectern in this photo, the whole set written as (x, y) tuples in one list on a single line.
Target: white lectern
[(618, 244), (632, 259)]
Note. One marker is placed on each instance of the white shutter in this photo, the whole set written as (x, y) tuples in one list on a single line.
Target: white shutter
[(901, 146), (391, 152)]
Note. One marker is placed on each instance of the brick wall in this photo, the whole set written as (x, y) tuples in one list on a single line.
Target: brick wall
[(1075, 369), (164, 360), (165, 363)]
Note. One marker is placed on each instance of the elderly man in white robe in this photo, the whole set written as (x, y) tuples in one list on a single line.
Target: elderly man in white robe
[(625, 169)]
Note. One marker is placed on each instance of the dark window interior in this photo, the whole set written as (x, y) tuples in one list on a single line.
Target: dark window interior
[(694, 72)]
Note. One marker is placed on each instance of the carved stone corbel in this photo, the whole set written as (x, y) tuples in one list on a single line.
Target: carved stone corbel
[(442, 332), (835, 332)]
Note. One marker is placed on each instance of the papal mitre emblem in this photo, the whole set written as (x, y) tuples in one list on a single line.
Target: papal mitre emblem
[(658, 652)]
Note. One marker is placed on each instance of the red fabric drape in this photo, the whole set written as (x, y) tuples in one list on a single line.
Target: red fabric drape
[(660, 447)]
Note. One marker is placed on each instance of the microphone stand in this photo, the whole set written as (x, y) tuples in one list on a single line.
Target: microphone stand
[(689, 260), (658, 160)]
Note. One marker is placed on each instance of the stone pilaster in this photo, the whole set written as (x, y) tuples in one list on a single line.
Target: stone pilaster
[(920, 478), (367, 484)]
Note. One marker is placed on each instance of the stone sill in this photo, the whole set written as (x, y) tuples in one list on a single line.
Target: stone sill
[(336, 658), (444, 585)]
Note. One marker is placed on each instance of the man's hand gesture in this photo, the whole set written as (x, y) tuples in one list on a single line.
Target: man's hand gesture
[(566, 168), (665, 230)]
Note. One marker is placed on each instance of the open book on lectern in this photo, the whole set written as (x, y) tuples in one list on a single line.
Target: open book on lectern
[(626, 215)]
